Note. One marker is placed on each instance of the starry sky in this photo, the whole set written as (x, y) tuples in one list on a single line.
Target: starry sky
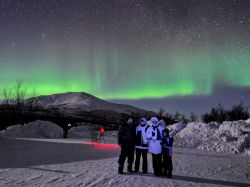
[(146, 53)]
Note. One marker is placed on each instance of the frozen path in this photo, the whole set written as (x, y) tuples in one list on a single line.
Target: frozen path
[(73, 163)]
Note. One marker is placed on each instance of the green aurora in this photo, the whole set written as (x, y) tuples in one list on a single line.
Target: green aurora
[(125, 50), (154, 74)]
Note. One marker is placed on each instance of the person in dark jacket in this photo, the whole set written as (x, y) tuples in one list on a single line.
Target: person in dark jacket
[(126, 140), (167, 145), (141, 146)]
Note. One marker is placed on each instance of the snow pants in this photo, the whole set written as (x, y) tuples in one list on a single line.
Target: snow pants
[(144, 154), (157, 163), (126, 152), (167, 165)]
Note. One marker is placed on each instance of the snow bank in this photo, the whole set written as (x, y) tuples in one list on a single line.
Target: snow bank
[(229, 136), (82, 132), (175, 128), (248, 121), (35, 129)]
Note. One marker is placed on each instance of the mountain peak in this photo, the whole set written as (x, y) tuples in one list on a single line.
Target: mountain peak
[(82, 101)]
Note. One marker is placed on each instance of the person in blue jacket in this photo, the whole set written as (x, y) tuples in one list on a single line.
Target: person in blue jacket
[(167, 146), (141, 146)]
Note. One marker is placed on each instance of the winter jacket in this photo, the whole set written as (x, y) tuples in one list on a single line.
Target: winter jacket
[(126, 135), (154, 137), (167, 145), (141, 139)]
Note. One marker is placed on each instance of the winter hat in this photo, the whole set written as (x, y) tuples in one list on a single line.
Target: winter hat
[(165, 130), (130, 120), (143, 120), (154, 121)]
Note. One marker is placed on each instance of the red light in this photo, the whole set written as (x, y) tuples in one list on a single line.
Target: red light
[(103, 146), (102, 131), (106, 146)]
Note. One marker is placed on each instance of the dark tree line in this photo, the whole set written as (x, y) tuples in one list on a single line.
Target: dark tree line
[(176, 117), (220, 114), (216, 114)]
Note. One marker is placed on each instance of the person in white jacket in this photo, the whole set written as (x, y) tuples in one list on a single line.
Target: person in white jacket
[(154, 137), (141, 146)]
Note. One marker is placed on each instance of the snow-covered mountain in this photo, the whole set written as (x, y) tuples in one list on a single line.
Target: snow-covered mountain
[(80, 101)]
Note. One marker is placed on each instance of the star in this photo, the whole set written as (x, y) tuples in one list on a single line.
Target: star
[(43, 35), (191, 46)]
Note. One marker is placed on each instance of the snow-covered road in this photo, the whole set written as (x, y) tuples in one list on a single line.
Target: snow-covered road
[(74, 163)]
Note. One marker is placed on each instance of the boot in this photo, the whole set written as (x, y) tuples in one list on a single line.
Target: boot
[(120, 169), (136, 170), (130, 168), (155, 173), (164, 172), (169, 175)]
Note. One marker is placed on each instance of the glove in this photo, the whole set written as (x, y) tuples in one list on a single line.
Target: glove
[(153, 133)]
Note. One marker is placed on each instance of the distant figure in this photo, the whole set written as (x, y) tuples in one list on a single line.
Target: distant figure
[(102, 131), (154, 136), (167, 145), (126, 139), (141, 146), (101, 137)]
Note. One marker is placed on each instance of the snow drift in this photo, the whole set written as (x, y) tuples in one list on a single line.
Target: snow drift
[(35, 129), (230, 136)]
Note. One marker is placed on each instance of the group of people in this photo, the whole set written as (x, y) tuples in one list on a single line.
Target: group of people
[(142, 139)]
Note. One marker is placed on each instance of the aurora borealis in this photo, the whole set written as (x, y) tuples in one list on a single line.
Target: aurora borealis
[(119, 49)]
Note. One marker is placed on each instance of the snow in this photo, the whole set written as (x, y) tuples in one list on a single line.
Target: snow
[(248, 121), (175, 128), (229, 136), (81, 132), (35, 129), (63, 163), (80, 101), (201, 156)]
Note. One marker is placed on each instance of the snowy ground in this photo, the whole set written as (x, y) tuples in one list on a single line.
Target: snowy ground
[(75, 163)]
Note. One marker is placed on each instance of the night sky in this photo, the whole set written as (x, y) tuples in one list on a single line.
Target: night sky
[(158, 53)]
